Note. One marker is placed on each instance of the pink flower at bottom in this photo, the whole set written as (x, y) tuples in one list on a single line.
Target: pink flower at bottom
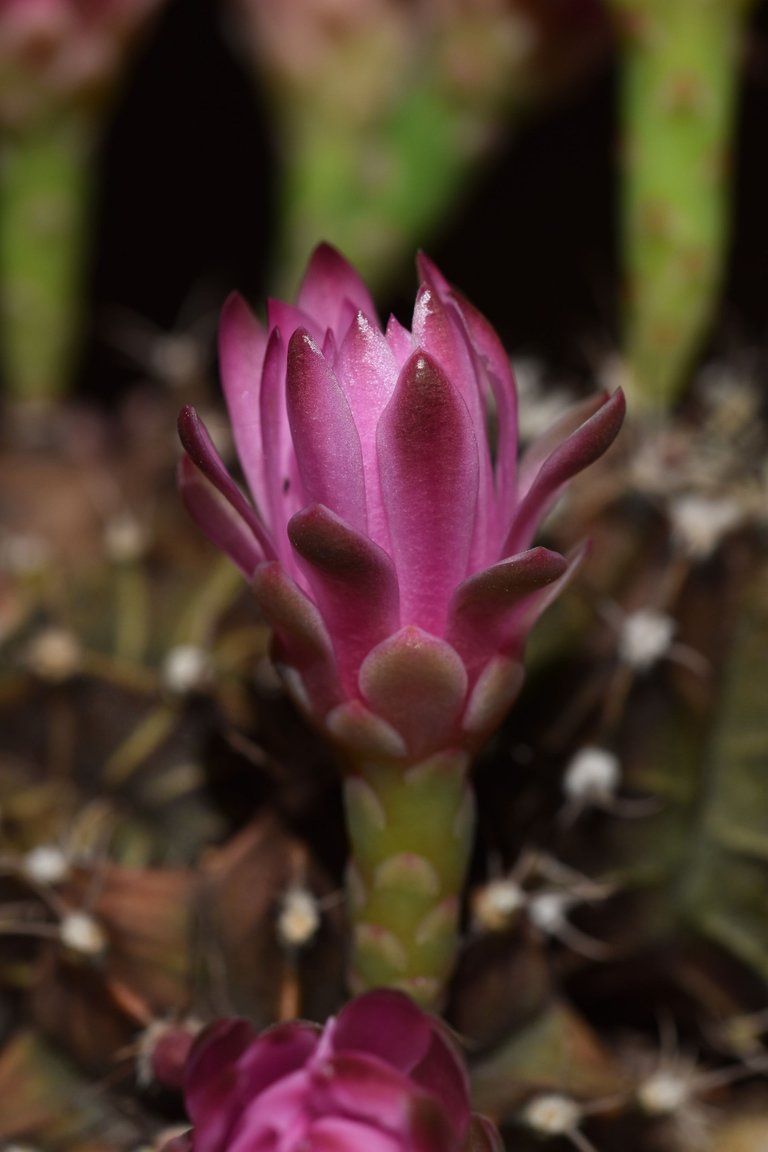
[(389, 544), (382, 1076)]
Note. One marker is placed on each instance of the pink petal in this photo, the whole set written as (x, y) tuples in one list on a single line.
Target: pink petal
[(275, 1119), (441, 1072), (430, 1130), (278, 1052), (287, 319), (212, 1082), (367, 372), (362, 1087), (580, 449), (218, 520), (198, 444), (416, 683), (399, 340), (387, 1024), (501, 379), (438, 329), (302, 640), (428, 463), (485, 615), (483, 1136), (531, 609), (353, 582), (242, 344), (335, 1134), (284, 492), (325, 440), (329, 284), (560, 429)]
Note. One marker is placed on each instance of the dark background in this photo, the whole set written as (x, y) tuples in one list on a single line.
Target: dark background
[(189, 178)]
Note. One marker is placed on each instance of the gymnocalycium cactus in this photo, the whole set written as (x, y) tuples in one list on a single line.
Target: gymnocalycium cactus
[(390, 551)]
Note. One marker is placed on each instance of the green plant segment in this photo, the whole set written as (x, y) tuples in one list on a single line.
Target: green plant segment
[(679, 84), (386, 112), (411, 834), (45, 186)]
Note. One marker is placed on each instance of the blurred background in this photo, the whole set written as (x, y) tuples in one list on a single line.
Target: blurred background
[(191, 172), (592, 174)]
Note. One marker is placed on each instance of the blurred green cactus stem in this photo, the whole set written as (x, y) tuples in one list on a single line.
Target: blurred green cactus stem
[(45, 204), (411, 833), (384, 110), (680, 75)]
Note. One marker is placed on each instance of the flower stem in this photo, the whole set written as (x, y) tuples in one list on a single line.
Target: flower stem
[(411, 832)]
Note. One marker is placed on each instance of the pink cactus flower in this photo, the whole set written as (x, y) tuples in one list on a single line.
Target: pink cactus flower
[(389, 542), (383, 1076)]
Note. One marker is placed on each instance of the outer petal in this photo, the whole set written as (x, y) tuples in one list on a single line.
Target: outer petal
[(387, 1024), (212, 1090), (368, 372), (362, 1087), (330, 282), (500, 378), (275, 1118), (428, 463), (438, 328), (483, 1136), (399, 340), (197, 442), (442, 1074), (300, 633), (353, 582), (418, 684), (223, 526), (287, 318), (504, 632), (580, 449), (325, 439), (486, 608), (242, 344), (335, 1134), (284, 491), (278, 1052)]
